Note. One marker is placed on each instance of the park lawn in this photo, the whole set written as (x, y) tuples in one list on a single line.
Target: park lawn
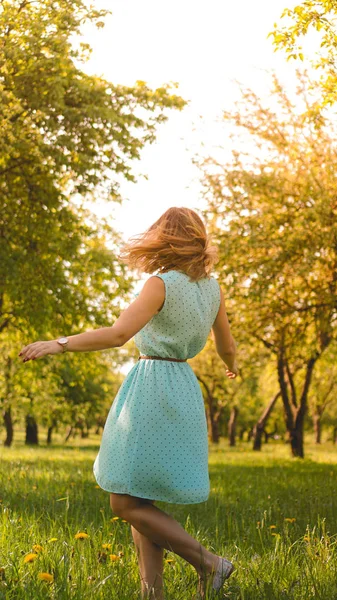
[(274, 516)]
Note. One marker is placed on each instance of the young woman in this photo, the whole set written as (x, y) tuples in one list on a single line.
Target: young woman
[(154, 444)]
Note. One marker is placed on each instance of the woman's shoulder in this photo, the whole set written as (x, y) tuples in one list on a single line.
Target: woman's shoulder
[(174, 274), (171, 275)]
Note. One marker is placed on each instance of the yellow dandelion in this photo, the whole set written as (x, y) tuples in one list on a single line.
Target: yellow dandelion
[(30, 557), (169, 560), (114, 518), (306, 538), (290, 520), (37, 548), (97, 487), (81, 536), (114, 557), (272, 527), (52, 540), (124, 521), (258, 524), (46, 577), (275, 534), (107, 546)]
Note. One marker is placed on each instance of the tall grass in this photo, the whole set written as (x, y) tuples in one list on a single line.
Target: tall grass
[(273, 516)]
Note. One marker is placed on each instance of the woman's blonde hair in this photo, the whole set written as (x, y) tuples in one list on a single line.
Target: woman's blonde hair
[(178, 240)]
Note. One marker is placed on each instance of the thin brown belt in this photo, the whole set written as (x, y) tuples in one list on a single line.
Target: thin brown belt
[(161, 358)]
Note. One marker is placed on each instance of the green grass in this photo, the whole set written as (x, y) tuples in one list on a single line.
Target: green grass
[(51, 493)]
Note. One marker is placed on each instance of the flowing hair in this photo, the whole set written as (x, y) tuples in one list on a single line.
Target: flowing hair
[(177, 240)]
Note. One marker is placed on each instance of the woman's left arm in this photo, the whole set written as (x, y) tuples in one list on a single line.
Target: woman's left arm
[(131, 320)]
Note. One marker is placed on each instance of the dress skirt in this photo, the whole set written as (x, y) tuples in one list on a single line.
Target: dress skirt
[(154, 443)]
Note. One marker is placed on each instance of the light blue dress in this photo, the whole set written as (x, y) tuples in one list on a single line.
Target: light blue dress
[(155, 443)]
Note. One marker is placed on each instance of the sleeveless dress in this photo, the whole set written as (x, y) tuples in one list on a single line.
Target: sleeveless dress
[(154, 443)]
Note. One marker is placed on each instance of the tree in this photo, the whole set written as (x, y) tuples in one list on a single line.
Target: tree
[(273, 211), (64, 133), (66, 136), (312, 16)]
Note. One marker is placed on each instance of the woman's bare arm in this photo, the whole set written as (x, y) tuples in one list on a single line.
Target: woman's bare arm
[(224, 341), (131, 320)]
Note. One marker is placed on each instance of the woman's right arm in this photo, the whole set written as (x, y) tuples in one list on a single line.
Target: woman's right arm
[(224, 341)]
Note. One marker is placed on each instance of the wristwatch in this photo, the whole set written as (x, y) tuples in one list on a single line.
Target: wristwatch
[(63, 341)]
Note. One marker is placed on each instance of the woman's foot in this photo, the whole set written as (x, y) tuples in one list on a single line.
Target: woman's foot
[(216, 575)]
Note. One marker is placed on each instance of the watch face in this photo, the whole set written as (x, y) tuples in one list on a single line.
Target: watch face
[(62, 340)]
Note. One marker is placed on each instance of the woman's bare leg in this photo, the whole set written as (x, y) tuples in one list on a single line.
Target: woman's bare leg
[(164, 531), (150, 561)]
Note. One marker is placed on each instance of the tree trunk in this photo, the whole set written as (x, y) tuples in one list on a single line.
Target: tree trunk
[(257, 436), (232, 425), (296, 442), (49, 434), (31, 431), (317, 428), (213, 415), (294, 410), (70, 430), (215, 434), (50, 431), (85, 431), (7, 415), (9, 427), (260, 425)]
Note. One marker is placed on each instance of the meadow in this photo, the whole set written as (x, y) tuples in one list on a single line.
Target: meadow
[(273, 516)]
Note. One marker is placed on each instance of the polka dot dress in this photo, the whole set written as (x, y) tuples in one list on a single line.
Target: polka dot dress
[(154, 444)]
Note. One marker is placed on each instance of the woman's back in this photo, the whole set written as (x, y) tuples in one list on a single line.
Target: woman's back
[(181, 328), (154, 442)]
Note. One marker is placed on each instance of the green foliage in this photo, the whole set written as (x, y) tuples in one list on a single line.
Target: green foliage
[(71, 389), (275, 518), (312, 16), (273, 211), (80, 130), (66, 137), (64, 133)]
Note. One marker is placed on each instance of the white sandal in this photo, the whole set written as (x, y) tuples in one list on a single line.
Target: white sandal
[(224, 570)]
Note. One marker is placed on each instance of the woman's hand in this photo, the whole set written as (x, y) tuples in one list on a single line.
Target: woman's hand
[(39, 349), (232, 374)]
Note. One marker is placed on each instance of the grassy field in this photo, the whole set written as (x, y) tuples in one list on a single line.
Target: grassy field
[(274, 516)]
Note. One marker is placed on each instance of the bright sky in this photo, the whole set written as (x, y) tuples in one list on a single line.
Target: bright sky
[(202, 45)]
